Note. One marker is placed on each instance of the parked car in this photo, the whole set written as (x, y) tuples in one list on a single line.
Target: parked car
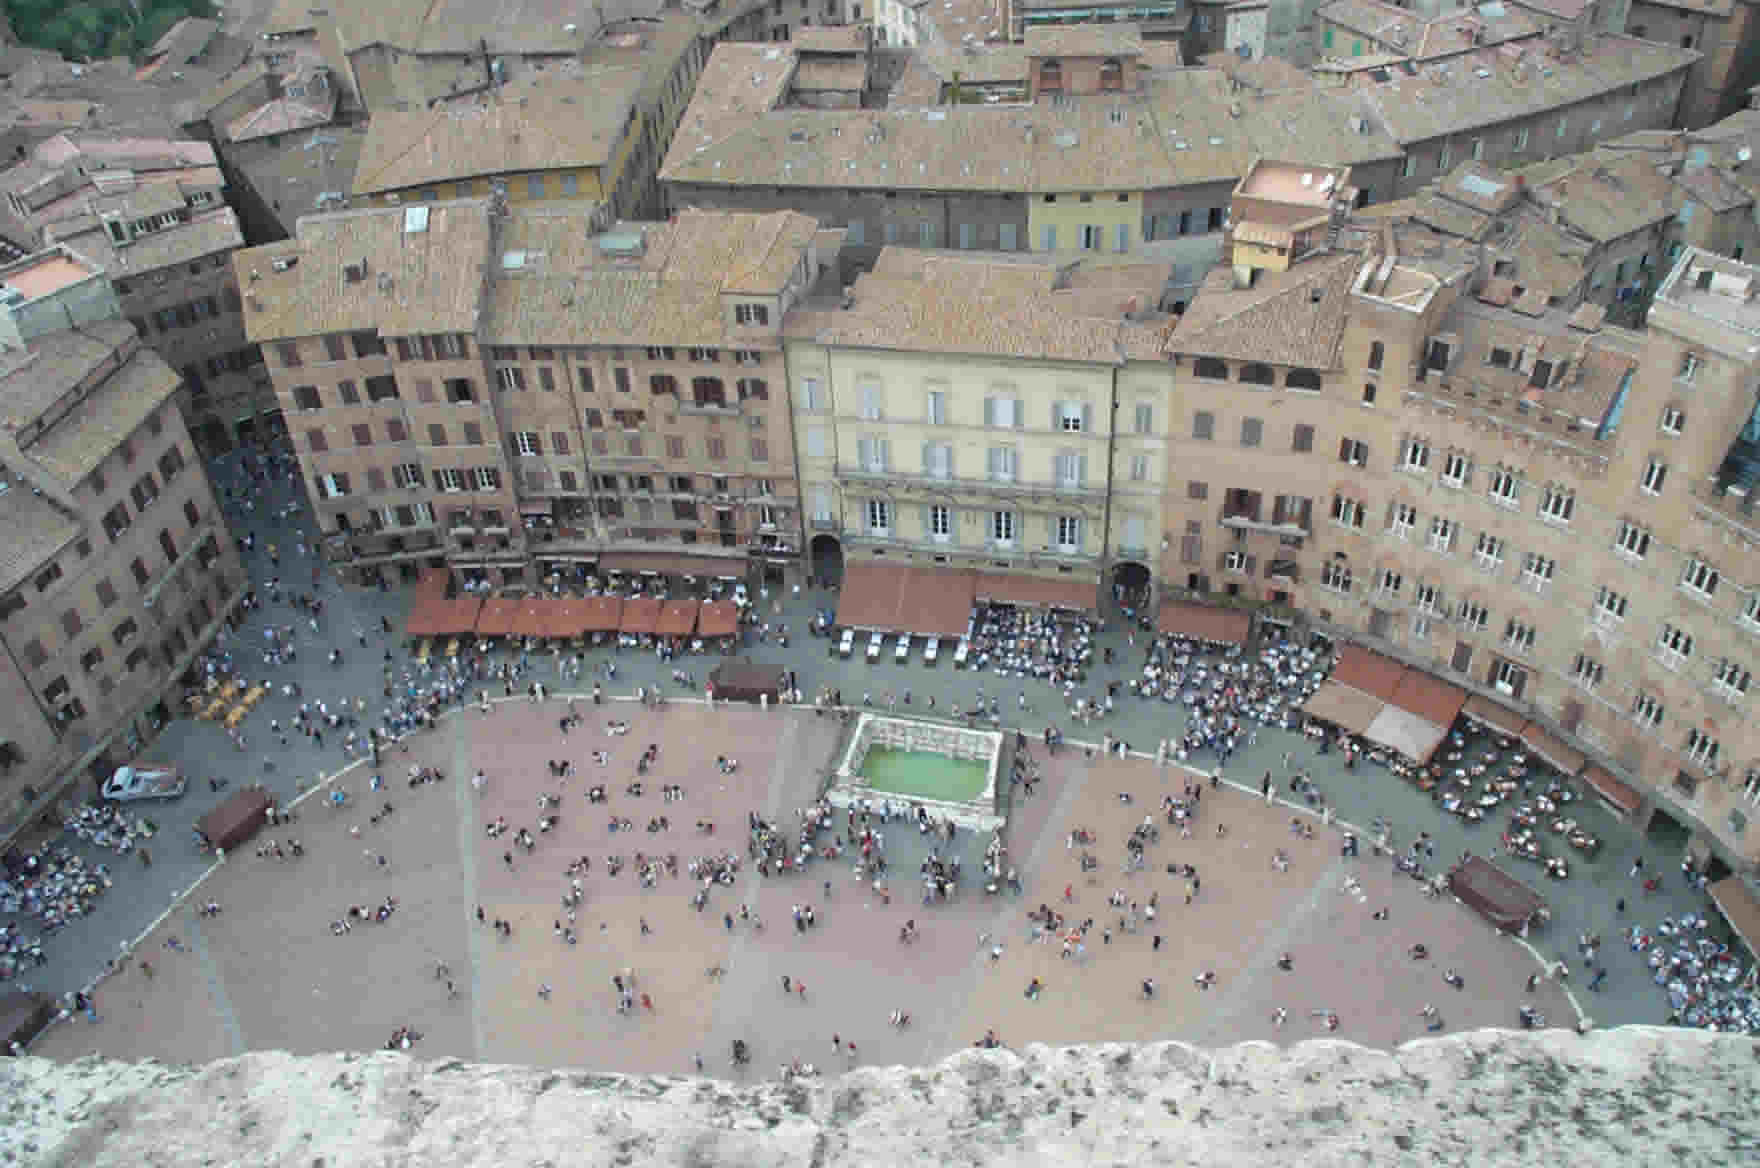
[(847, 644), (144, 782), (931, 650), (960, 654), (875, 643), (901, 652)]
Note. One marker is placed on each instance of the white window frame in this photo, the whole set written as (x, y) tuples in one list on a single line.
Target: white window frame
[(1687, 371), (1401, 520), (1427, 599), (1139, 469), (1655, 477), (1505, 488), (1610, 607), (407, 475), (1674, 646), (1004, 528), (1700, 578), (1456, 468), (878, 513), (872, 401), (1587, 672), (1003, 464), (1442, 534), (1647, 711), (449, 479), (1390, 584), (1488, 552), (486, 478), (1518, 636), (1751, 613), (1674, 421), (1335, 576), (1701, 749), (1145, 418), (1068, 534), (1071, 418), (1347, 512), (935, 407), (526, 442), (1417, 457), (1474, 615), (812, 393), (1538, 570), (1557, 505), (1068, 468), (940, 523), (1731, 680), (1632, 541)]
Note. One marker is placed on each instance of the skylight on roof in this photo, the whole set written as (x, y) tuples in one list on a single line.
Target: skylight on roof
[(1484, 188)]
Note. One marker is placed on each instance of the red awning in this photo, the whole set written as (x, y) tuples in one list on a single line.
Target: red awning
[(1204, 622), (461, 614), (869, 594), (907, 598), (497, 616), (1624, 798), (1430, 698), (641, 614), (603, 614), (672, 564), (430, 609), (678, 618), (537, 617), (1489, 713), (1568, 759), (1070, 593), (1740, 909), (718, 618), (1370, 672)]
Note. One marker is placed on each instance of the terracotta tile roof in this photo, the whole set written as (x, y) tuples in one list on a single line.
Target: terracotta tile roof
[(830, 38), (1288, 318), (831, 73), (208, 234), (77, 442), (949, 302), (32, 529), (1488, 87), (1084, 40), (1433, 209), (1545, 255), (1609, 199), (35, 379), (1185, 128), (1598, 362), (448, 26), (670, 295), (1400, 31), (426, 281), (564, 124)]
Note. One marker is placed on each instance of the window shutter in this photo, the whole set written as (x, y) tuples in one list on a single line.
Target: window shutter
[(1019, 419), (1056, 416), (927, 530), (512, 446), (928, 458), (1088, 416), (863, 452), (989, 411), (1081, 468), (884, 446), (993, 460)]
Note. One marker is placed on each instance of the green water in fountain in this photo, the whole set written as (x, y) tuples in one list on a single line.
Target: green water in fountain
[(924, 774)]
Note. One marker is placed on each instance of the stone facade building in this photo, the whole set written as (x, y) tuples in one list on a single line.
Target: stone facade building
[(153, 215), (117, 568), (500, 387)]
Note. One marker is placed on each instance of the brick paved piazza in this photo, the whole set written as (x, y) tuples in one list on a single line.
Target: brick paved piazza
[(268, 973)]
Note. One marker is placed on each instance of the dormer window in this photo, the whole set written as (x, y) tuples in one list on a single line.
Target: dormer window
[(751, 314)]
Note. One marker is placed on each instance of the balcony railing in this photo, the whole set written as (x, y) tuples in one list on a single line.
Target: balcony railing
[(1015, 487), (1249, 521)]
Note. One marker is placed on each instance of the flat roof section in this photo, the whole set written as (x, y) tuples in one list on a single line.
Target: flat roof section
[(45, 275), (1285, 182)]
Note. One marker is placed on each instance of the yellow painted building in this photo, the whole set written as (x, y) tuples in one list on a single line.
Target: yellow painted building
[(1084, 220), (548, 140)]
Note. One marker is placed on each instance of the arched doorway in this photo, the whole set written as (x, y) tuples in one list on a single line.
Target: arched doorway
[(1132, 585), (827, 561)]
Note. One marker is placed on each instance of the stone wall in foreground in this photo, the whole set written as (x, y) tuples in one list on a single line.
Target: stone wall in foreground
[(1634, 1096)]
